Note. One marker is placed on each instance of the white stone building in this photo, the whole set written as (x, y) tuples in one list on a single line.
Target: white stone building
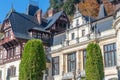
[(69, 48), (65, 43)]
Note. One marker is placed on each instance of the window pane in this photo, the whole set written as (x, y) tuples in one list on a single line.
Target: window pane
[(55, 65), (110, 55), (84, 58), (105, 48), (83, 32), (71, 60), (72, 36)]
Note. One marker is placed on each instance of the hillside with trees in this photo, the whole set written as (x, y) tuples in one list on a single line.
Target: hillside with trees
[(86, 7)]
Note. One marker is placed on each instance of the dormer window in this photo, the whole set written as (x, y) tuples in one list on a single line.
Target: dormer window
[(6, 24)]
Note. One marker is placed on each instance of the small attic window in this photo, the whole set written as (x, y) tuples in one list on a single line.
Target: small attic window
[(6, 24)]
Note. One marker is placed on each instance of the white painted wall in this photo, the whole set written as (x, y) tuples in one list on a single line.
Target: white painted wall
[(6, 66)]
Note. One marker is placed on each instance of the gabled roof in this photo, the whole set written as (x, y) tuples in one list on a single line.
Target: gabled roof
[(102, 12), (53, 19), (21, 24), (9, 13), (103, 24)]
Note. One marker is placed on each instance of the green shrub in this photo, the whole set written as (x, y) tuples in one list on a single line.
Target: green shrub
[(33, 61), (94, 63)]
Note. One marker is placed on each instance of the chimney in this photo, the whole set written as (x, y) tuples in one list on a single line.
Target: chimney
[(39, 16), (51, 12)]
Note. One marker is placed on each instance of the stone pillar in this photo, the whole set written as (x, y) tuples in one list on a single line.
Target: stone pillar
[(77, 60), (116, 26)]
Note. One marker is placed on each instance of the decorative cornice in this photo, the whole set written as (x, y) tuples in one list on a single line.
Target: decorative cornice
[(116, 21), (83, 43)]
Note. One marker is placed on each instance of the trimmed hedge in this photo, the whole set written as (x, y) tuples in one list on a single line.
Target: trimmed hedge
[(94, 63), (33, 61)]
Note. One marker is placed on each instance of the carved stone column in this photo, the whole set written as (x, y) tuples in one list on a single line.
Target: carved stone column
[(116, 26)]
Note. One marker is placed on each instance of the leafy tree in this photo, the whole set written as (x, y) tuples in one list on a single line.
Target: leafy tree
[(33, 61), (56, 4), (109, 7), (94, 63), (89, 8), (69, 7)]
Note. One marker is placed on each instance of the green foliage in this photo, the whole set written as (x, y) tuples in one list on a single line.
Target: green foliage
[(94, 63), (56, 4), (33, 61), (66, 5), (69, 7)]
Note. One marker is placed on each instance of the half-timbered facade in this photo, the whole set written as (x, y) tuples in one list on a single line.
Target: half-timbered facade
[(65, 44), (18, 28)]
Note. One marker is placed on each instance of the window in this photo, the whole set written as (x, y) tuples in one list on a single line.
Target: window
[(11, 72), (39, 35), (77, 22), (83, 32), (84, 58), (55, 65), (34, 34), (71, 62), (7, 33), (110, 55), (17, 49), (12, 51), (72, 36), (9, 53)]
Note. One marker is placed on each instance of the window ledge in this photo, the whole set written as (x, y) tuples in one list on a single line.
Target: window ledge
[(112, 67)]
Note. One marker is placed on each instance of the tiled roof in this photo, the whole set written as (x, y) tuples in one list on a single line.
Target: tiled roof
[(102, 12), (21, 24), (58, 39), (87, 18), (32, 9), (52, 20), (103, 24)]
